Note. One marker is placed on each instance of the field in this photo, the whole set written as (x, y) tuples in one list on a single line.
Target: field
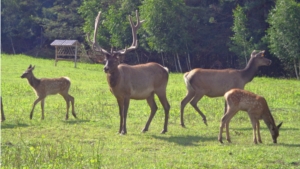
[(92, 141)]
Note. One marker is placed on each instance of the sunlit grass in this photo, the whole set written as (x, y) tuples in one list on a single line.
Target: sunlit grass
[(92, 141)]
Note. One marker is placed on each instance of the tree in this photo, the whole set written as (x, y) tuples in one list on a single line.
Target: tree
[(61, 20), (166, 26), (242, 42), (284, 33)]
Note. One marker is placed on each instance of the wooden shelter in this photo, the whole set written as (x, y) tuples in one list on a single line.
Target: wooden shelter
[(66, 49)]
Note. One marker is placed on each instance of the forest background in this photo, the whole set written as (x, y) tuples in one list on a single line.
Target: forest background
[(180, 34)]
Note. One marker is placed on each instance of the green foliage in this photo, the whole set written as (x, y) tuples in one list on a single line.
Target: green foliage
[(91, 141), (283, 34), (62, 21), (165, 25), (242, 40)]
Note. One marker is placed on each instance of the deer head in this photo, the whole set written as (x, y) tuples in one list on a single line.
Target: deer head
[(28, 72), (112, 58)]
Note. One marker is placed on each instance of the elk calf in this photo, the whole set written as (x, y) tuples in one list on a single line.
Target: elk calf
[(44, 87), (256, 107)]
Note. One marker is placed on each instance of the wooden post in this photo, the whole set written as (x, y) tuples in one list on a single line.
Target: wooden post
[(75, 60), (55, 62)]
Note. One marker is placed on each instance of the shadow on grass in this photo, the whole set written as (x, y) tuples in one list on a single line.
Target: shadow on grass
[(185, 140), (10, 126), (290, 145), (264, 128), (75, 121)]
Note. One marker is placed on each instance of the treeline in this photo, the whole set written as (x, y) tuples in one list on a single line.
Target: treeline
[(180, 34)]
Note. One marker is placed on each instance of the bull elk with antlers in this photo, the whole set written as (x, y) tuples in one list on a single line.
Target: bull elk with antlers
[(137, 82), (215, 83)]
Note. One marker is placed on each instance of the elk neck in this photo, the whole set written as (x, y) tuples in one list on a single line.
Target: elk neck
[(249, 71), (268, 118), (113, 78), (33, 81)]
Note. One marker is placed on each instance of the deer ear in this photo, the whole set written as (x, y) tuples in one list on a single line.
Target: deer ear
[(33, 67), (29, 66), (262, 53), (279, 125), (253, 54)]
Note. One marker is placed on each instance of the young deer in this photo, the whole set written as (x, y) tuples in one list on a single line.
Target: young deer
[(45, 86), (134, 82), (215, 83), (256, 107)]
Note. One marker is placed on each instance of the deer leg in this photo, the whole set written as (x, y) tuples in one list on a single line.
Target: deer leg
[(225, 107), (183, 103), (71, 98), (120, 104), (222, 124), (163, 100), (34, 103), (126, 106), (194, 104), (66, 97), (258, 131), (254, 130), (42, 106), (153, 107), (2, 111)]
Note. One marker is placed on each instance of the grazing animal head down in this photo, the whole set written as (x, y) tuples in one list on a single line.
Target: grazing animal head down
[(275, 132)]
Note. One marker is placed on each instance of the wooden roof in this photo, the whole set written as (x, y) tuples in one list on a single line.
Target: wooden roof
[(64, 43)]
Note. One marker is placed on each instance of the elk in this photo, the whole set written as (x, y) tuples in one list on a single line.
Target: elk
[(215, 83), (137, 82), (47, 86), (256, 107)]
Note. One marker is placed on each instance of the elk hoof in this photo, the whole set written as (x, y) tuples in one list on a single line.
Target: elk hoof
[(205, 122), (163, 131), (221, 141), (123, 133), (182, 125), (144, 130)]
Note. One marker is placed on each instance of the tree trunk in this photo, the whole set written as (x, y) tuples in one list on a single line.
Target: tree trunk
[(179, 65), (137, 56), (175, 64), (12, 45), (296, 69), (162, 58)]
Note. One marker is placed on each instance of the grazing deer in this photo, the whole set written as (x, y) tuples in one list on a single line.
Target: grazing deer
[(134, 82), (214, 83), (256, 107), (45, 86)]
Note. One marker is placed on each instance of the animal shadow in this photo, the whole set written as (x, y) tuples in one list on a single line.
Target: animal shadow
[(185, 140), (14, 125)]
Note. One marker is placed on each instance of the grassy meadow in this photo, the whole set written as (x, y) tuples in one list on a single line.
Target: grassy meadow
[(92, 141)]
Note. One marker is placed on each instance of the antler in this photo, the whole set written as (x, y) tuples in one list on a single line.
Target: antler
[(95, 44), (134, 34), (134, 44)]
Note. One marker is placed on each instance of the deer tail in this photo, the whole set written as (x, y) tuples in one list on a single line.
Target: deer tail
[(187, 81)]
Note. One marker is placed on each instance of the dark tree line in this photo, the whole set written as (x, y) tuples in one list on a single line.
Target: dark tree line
[(181, 34)]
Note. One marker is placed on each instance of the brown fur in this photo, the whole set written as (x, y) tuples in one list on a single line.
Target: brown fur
[(45, 86), (214, 83), (256, 107), (137, 82)]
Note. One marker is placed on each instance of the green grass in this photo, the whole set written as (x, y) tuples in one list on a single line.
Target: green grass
[(91, 141)]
